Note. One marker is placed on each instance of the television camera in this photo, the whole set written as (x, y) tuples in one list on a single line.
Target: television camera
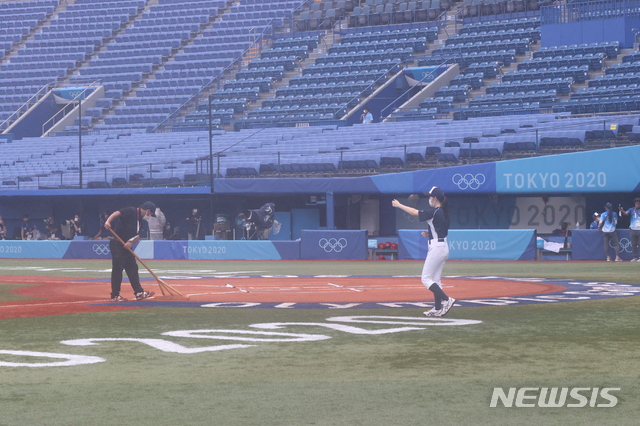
[(257, 224)]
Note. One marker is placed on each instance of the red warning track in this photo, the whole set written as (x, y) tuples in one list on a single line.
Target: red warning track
[(58, 296)]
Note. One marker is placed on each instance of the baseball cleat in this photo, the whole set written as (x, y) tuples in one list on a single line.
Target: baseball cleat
[(118, 298), (446, 305), (144, 295), (432, 313)]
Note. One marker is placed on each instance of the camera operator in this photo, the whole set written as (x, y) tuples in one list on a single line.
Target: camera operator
[(28, 230), (53, 230), (221, 227), (3, 229), (103, 234), (261, 221), (194, 225), (77, 226)]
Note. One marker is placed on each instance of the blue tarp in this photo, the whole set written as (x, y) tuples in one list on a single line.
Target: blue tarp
[(588, 244)]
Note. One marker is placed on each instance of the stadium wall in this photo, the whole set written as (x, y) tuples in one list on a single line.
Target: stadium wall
[(313, 245), (536, 192), (593, 31), (479, 244)]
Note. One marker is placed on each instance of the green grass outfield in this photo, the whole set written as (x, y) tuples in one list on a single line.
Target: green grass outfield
[(437, 375)]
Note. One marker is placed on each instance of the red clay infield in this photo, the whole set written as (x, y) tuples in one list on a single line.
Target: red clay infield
[(56, 296)]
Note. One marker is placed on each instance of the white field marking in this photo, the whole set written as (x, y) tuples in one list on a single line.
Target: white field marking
[(163, 345), (375, 319), (338, 327), (70, 359), (205, 294), (179, 272), (316, 292), (38, 268), (281, 337), (239, 289), (203, 272), (190, 285), (346, 288), (303, 289), (55, 303)]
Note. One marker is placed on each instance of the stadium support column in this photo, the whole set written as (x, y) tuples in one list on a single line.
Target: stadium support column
[(330, 211), (211, 147), (79, 143)]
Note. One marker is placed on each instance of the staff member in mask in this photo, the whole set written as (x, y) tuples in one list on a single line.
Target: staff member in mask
[(608, 222), (77, 226), (634, 226), (127, 224)]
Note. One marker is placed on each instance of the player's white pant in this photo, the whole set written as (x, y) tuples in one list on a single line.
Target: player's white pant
[(434, 263)]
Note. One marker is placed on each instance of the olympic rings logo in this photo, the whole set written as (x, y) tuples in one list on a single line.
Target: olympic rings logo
[(468, 180), (625, 245), (101, 249), (332, 244), (410, 218)]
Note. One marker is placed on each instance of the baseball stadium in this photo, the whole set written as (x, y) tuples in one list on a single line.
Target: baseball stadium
[(319, 212)]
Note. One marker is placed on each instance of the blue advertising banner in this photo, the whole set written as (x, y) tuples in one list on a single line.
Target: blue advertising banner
[(589, 171), (578, 172), (471, 179), (145, 249), (99, 249), (18, 249), (588, 244), (333, 245), (79, 249), (229, 250), (173, 249), (423, 75), (473, 244), (288, 250), (69, 94)]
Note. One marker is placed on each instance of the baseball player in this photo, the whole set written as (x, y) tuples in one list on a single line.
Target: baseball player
[(634, 226), (437, 217)]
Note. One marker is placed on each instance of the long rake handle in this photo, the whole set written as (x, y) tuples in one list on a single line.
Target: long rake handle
[(160, 282)]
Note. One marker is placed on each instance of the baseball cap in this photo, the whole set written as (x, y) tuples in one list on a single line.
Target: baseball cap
[(148, 205), (637, 200), (437, 192), (607, 206), (596, 214)]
